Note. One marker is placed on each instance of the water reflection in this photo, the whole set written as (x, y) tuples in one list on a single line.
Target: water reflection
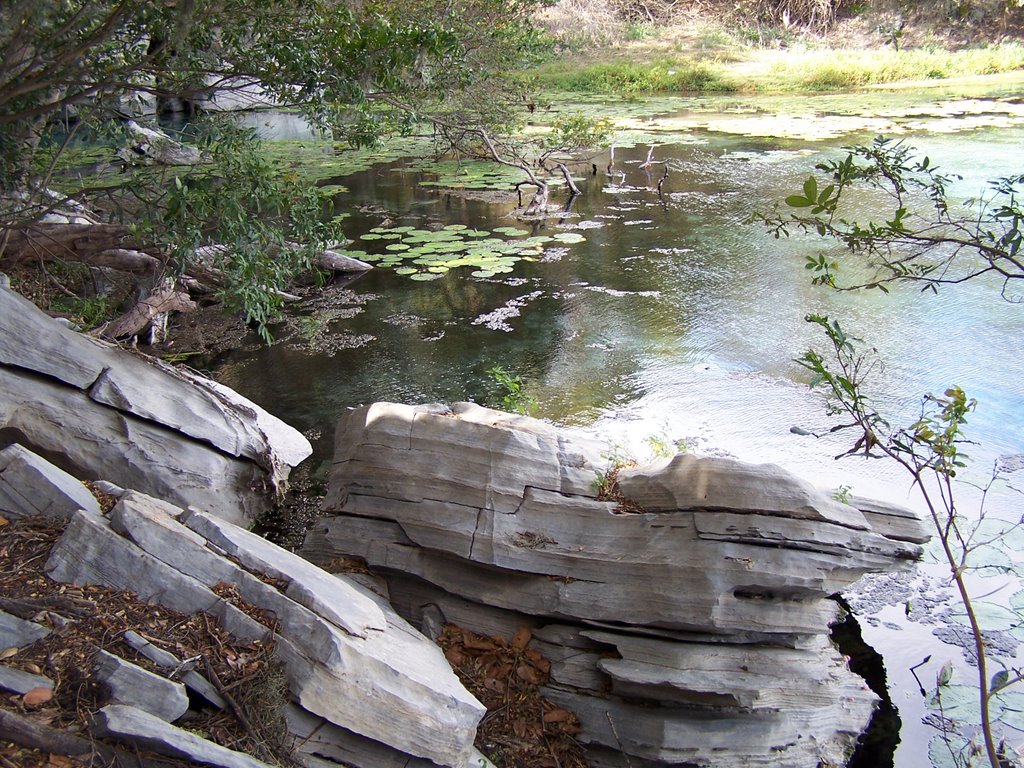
[(677, 316)]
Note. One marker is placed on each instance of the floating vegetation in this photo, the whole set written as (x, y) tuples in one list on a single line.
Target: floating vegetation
[(428, 254), (467, 174)]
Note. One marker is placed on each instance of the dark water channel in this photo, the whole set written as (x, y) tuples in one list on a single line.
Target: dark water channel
[(678, 319)]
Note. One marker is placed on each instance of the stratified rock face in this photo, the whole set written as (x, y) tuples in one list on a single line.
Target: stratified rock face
[(30, 485), (349, 661), (695, 632), (101, 412)]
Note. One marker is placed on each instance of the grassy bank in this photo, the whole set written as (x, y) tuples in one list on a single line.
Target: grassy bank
[(637, 71)]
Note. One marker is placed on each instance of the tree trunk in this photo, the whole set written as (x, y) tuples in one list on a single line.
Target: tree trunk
[(74, 242), (164, 299)]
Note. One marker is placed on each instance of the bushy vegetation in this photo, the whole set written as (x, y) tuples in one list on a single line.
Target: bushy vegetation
[(635, 78)]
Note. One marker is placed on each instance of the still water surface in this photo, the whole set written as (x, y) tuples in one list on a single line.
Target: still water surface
[(677, 317)]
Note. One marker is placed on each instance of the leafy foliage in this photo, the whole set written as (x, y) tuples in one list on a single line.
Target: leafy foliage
[(241, 216), (930, 449), (515, 399), (360, 70), (917, 234)]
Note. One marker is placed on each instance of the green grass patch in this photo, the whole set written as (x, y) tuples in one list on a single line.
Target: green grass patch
[(789, 71), (636, 78), (845, 70)]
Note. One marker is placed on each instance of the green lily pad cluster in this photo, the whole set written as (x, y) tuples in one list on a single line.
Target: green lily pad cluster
[(425, 254), (454, 174)]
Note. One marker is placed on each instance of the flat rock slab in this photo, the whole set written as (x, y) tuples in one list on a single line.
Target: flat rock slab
[(30, 485), (106, 412), (145, 731), (693, 630), (356, 664), (98, 441), (134, 686), (309, 586), (192, 679), (21, 682), (17, 633)]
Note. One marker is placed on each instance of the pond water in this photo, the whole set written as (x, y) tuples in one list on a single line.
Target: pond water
[(676, 318)]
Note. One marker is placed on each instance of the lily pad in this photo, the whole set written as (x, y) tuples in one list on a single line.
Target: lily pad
[(424, 276), (990, 615), (569, 237)]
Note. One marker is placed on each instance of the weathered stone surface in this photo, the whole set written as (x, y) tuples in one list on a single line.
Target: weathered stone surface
[(90, 552), (30, 340), (136, 687), (334, 599), (694, 632), (100, 441), (324, 745), (30, 485), (686, 481), (145, 731), (17, 633), (898, 523), (368, 678), (144, 405), (166, 660), (21, 682)]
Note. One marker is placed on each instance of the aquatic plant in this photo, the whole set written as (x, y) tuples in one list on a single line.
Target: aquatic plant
[(426, 254), (515, 398)]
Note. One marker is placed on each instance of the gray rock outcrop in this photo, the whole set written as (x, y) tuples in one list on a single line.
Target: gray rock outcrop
[(694, 632), (100, 412), (148, 732), (30, 485), (350, 661), (134, 686), (16, 633)]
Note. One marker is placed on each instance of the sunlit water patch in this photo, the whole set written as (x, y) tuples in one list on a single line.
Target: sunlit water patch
[(672, 316)]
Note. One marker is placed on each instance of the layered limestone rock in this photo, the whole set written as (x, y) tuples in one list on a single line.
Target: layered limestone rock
[(350, 660), (694, 632), (98, 411)]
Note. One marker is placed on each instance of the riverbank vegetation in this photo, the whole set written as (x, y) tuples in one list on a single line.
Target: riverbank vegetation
[(756, 46)]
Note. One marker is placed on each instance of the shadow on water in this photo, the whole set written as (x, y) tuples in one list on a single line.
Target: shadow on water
[(876, 747)]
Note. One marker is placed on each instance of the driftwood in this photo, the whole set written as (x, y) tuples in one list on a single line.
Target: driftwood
[(164, 299), (72, 242)]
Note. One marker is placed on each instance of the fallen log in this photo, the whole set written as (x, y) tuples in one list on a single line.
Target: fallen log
[(164, 299)]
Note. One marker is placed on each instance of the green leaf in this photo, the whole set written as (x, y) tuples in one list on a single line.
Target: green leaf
[(811, 189), (796, 201)]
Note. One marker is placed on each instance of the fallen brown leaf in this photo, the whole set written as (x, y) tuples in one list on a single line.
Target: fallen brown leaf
[(522, 638), (530, 674), (557, 716)]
